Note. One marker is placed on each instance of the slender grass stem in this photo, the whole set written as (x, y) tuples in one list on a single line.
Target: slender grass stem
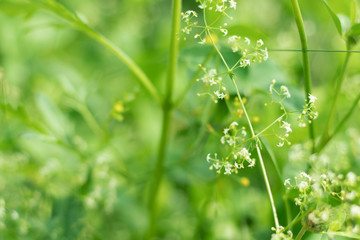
[(301, 233), (167, 112), (313, 50), (326, 137), (143, 78), (269, 126), (305, 56), (339, 126), (79, 24)]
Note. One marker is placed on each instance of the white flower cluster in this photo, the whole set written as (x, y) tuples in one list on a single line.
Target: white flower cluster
[(308, 113), (249, 53), (280, 234), (239, 154), (214, 82), (316, 194), (187, 17), (283, 137), (280, 95), (217, 5)]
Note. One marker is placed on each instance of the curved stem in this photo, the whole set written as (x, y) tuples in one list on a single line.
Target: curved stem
[(143, 78), (339, 126), (305, 57), (326, 137), (167, 110), (64, 13)]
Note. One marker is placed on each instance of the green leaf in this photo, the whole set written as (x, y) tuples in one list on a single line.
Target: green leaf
[(354, 30), (53, 117), (353, 11), (335, 18)]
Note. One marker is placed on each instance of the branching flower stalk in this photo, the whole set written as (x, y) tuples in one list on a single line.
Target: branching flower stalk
[(231, 75)]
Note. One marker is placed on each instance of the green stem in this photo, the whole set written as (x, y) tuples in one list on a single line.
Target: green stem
[(167, 112), (339, 126), (326, 137), (64, 13), (267, 183), (305, 56), (301, 233), (269, 126)]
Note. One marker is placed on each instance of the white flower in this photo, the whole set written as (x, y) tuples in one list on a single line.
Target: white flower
[(247, 40), (260, 43), (219, 8), (252, 164), (285, 91), (233, 124), (304, 175), (303, 186), (287, 126), (232, 4), (222, 140), (312, 98), (202, 42), (287, 182), (233, 39), (244, 153), (208, 158), (203, 5), (231, 142), (227, 167), (226, 130), (220, 95), (224, 31), (351, 177), (355, 211), (280, 144)]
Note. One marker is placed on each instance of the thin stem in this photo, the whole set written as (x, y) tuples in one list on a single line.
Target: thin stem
[(64, 13), (143, 78), (305, 56), (269, 126), (330, 119), (301, 233), (167, 112), (339, 126), (312, 50), (267, 183), (272, 202)]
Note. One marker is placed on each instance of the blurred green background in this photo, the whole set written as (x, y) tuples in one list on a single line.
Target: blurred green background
[(79, 134)]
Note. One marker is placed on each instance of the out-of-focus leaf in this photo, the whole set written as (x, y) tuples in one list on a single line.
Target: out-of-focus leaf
[(354, 30), (52, 115), (18, 8), (38, 137), (345, 23), (353, 11), (335, 18)]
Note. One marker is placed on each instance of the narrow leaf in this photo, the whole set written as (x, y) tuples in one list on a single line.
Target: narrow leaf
[(335, 18)]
